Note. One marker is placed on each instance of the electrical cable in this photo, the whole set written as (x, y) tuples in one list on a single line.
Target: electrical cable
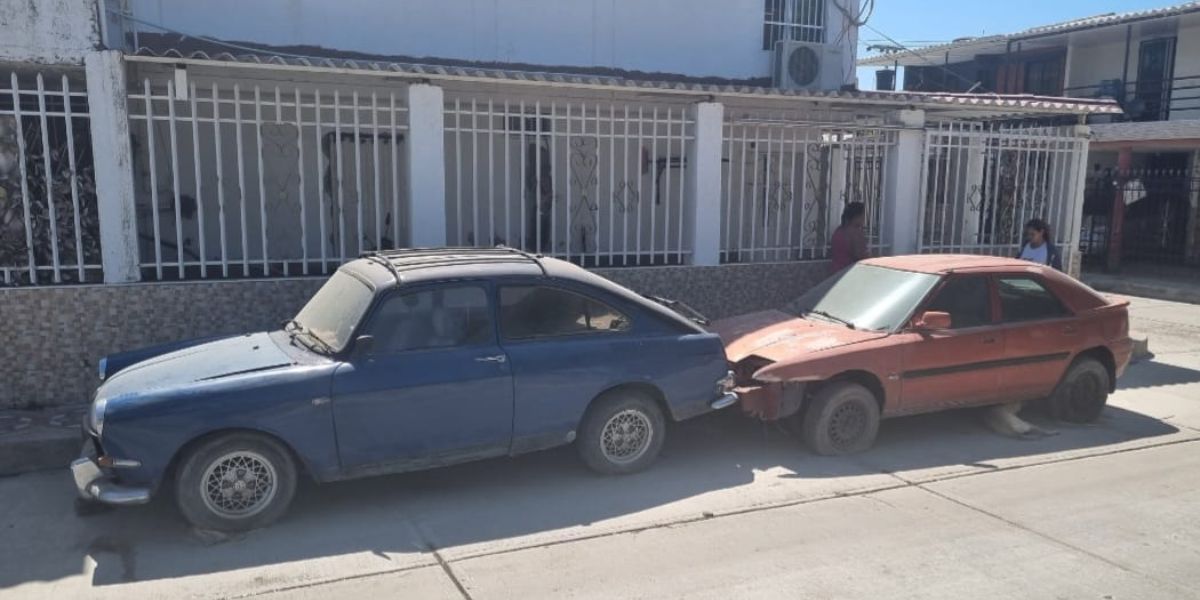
[(971, 85)]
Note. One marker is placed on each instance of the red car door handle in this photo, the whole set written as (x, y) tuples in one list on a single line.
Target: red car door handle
[(1070, 329), (990, 340)]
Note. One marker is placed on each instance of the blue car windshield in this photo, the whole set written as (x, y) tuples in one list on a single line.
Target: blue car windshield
[(335, 309), (866, 297)]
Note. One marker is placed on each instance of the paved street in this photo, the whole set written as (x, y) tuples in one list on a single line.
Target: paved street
[(941, 508)]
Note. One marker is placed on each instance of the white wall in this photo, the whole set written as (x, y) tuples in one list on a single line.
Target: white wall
[(1187, 64), (1096, 59), (1093, 63), (720, 38), (48, 31)]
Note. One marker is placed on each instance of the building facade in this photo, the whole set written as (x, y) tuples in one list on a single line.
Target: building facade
[(158, 185), (719, 39), (1143, 185)]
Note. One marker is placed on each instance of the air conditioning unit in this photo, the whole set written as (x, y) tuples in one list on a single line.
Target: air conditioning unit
[(807, 66)]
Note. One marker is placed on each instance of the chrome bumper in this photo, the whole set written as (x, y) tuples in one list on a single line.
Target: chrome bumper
[(725, 401), (93, 484)]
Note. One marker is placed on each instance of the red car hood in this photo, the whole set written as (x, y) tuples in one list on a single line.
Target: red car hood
[(777, 336)]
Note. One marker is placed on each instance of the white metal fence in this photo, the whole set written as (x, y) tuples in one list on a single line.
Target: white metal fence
[(597, 183), (262, 179), (49, 231), (787, 181), (981, 183)]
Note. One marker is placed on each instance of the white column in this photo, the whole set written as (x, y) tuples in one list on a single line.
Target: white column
[(702, 225), (902, 185), (1068, 246), (972, 190), (425, 158), (837, 189), (113, 158)]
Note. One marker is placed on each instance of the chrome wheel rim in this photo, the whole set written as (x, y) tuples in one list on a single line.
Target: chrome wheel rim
[(847, 425), (626, 436), (238, 485)]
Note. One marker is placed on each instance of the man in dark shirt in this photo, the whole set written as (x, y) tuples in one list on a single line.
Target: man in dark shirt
[(849, 242)]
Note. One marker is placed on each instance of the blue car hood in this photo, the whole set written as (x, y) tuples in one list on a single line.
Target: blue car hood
[(205, 362)]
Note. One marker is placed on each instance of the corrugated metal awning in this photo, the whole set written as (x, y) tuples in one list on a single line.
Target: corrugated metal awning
[(994, 105)]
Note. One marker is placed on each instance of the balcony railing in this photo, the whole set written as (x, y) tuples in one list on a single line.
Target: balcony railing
[(1148, 99)]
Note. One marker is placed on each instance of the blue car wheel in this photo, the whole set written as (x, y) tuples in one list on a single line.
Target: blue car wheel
[(235, 482), (622, 432)]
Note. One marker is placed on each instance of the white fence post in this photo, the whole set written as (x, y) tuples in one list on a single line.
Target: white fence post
[(972, 190), (702, 214), (113, 158), (837, 188), (902, 182), (1073, 263), (425, 157)]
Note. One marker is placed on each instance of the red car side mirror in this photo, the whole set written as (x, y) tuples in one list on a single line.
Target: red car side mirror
[(933, 320)]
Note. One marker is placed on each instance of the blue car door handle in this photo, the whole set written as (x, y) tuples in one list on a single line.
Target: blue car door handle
[(499, 358)]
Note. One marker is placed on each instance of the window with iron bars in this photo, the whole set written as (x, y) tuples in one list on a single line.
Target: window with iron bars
[(799, 20)]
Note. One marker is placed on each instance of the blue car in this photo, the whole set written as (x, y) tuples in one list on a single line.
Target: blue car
[(402, 361)]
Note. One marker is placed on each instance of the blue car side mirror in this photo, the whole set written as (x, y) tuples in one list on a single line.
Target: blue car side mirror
[(364, 345)]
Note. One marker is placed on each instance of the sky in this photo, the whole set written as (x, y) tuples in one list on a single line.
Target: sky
[(925, 22)]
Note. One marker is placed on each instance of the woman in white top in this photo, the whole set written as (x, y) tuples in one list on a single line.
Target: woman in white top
[(1039, 247)]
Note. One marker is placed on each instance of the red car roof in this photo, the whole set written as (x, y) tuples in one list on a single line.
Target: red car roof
[(944, 263)]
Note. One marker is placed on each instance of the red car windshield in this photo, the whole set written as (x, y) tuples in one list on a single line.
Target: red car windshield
[(866, 297)]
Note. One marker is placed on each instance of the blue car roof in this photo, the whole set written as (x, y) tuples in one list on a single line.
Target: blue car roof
[(404, 267)]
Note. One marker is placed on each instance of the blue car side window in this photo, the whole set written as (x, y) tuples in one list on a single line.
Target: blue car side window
[(441, 318), (530, 311)]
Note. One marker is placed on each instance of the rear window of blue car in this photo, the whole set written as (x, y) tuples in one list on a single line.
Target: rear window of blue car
[(534, 311)]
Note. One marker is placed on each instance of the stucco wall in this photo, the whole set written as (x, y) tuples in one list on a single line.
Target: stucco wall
[(48, 31), (53, 337), (1187, 64), (720, 38), (1092, 63), (1101, 56)]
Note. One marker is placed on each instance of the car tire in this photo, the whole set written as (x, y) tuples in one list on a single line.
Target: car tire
[(235, 482), (622, 433), (843, 418), (1082, 394)]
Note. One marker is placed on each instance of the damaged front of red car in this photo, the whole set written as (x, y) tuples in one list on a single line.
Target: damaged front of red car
[(780, 359)]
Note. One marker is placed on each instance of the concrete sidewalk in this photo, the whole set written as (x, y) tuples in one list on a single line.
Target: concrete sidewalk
[(1181, 286), (939, 508)]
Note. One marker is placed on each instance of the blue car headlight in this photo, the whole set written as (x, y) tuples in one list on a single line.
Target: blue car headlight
[(96, 416), (103, 368)]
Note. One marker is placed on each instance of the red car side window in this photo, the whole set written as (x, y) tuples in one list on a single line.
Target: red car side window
[(966, 299), (1026, 299)]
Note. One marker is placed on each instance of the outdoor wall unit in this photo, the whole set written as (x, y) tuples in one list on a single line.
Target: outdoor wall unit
[(807, 66)]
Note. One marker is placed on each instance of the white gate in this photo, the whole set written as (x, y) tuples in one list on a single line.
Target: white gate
[(254, 178), (982, 182), (786, 182), (49, 231), (599, 183)]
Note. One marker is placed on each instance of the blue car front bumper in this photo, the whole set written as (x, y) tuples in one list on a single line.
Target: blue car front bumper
[(95, 483)]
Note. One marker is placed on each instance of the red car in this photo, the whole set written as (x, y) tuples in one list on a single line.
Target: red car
[(914, 334)]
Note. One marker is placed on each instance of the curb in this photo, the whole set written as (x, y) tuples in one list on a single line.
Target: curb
[(1145, 290), (38, 449)]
